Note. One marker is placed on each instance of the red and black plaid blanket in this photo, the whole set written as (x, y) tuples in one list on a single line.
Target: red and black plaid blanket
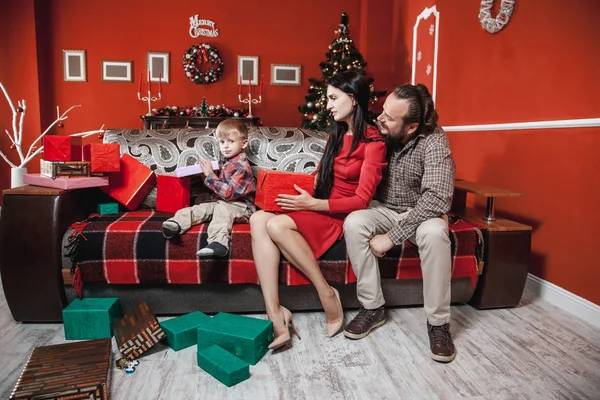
[(129, 248)]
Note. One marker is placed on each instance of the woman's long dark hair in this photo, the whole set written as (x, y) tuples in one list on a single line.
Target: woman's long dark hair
[(356, 85)]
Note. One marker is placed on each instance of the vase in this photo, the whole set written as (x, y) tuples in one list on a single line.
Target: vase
[(16, 176)]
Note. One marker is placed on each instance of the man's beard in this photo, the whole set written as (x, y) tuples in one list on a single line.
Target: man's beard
[(396, 141)]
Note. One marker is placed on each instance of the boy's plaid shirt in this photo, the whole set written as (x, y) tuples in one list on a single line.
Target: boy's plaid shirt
[(235, 181), (419, 178)]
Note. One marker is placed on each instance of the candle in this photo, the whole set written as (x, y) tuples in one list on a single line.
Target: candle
[(141, 79), (159, 82), (261, 86), (249, 87), (240, 85), (148, 80)]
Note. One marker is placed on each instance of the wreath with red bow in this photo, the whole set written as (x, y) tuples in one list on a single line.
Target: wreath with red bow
[(200, 54)]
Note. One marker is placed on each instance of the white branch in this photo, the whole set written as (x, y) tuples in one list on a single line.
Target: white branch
[(10, 137), (89, 133), (35, 153), (7, 160)]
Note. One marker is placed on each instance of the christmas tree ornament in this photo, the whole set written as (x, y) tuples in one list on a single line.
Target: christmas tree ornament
[(310, 104)]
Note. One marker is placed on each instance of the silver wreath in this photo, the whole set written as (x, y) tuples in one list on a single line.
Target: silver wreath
[(493, 25)]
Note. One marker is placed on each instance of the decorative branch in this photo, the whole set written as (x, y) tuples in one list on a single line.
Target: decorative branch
[(16, 137)]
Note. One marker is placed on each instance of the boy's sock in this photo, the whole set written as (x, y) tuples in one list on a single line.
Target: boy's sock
[(214, 249), (170, 229)]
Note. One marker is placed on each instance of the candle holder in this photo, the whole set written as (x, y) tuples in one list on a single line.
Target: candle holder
[(250, 101), (149, 99)]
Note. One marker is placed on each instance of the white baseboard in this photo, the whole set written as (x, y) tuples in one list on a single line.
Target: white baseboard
[(564, 299)]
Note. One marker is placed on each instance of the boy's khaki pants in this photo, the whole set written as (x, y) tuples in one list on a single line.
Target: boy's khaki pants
[(433, 241), (221, 215)]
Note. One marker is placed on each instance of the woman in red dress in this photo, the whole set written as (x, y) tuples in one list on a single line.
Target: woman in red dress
[(349, 172)]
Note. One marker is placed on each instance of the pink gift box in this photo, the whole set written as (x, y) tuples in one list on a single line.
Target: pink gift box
[(65, 183), (194, 169)]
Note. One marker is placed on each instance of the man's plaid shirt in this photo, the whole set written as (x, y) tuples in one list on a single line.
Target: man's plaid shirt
[(235, 181), (419, 177)]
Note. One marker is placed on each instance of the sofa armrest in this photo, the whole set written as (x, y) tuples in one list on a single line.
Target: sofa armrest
[(32, 223)]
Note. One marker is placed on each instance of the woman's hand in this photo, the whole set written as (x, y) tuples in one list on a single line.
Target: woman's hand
[(206, 167), (303, 201)]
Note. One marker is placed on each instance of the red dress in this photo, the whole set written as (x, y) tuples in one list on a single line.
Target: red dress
[(354, 183)]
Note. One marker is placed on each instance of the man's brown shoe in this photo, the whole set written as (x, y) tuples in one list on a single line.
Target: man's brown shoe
[(364, 322), (440, 343)]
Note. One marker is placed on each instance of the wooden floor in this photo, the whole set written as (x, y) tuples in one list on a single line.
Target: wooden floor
[(535, 351)]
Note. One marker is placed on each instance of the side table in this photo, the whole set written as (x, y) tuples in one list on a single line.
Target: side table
[(507, 248)]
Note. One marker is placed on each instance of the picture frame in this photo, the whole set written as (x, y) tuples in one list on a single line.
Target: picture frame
[(117, 71), (247, 65), (158, 63), (74, 66), (286, 74)]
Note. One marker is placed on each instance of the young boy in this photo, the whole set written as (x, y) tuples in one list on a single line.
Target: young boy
[(234, 187)]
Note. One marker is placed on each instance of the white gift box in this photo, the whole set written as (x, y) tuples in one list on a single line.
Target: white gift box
[(194, 169)]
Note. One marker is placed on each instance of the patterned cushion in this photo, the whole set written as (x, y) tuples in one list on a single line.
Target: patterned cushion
[(283, 149)]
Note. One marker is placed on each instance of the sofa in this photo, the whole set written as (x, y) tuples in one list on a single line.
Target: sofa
[(47, 234)]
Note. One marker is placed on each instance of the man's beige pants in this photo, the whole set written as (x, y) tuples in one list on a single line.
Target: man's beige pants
[(221, 215), (433, 241)]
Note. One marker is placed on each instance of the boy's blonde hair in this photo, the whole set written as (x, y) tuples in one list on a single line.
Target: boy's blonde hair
[(229, 126)]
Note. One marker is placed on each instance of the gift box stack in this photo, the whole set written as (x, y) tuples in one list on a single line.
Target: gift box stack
[(227, 344), (70, 164)]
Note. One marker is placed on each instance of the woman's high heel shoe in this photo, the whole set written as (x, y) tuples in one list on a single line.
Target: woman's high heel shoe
[(333, 328), (286, 337)]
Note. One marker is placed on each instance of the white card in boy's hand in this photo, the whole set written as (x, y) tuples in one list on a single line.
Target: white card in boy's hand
[(194, 169)]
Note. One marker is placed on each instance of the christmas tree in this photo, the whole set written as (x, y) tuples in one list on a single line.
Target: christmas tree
[(342, 56), (203, 108)]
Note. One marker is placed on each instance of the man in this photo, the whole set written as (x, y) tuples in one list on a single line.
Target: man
[(411, 203)]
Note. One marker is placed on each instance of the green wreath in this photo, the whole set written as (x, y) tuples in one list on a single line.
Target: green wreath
[(200, 54)]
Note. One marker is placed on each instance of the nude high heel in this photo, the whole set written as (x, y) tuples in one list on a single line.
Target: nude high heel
[(333, 328), (285, 338)]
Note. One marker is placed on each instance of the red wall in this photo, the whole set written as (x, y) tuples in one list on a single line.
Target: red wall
[(297, 35), (18, 74), (543, 66)]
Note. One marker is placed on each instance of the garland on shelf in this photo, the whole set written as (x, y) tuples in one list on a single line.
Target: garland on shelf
[(493, 25), (211, 111), (200, 54)]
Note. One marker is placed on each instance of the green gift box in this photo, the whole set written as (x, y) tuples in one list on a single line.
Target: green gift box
[(90, 318), (108, 208), (223, 366), (245, 337), (182, 331)]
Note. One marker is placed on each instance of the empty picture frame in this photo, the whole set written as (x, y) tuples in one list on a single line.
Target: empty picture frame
[(74, 66), (285, 74), (248, 68), (117, 71), (158, 64)]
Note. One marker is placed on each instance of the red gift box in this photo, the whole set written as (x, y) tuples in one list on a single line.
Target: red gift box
[(131, 184), (172, 193), (270, 184), (63, 148), (104, 157)]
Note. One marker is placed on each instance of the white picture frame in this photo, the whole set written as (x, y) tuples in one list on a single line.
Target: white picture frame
[(248, 65), (117, 71), (286, 74), (74, 66), (158, 63)]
